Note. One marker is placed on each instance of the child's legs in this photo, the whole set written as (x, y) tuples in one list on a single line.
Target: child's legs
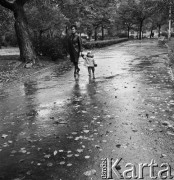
[(89, 70), (93, 70)]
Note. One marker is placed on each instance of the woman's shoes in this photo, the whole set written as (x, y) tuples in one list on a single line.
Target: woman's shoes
[(78, 70)]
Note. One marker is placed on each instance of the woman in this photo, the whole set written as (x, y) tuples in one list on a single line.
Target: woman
[(75, 48)]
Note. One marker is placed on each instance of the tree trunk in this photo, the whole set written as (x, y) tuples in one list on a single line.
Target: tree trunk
[(66, 30), (96, 34), (159, 30), (27, 52), (102, 32), (90, 37), (140, 31), (151, 32), (128, 29)]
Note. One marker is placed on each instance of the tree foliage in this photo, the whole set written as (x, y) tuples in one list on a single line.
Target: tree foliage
[(45, 17), (52, 18)]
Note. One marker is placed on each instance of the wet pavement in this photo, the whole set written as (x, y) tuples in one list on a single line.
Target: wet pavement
[(55, 127)]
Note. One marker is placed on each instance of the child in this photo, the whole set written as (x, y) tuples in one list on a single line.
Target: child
[(90, 63)]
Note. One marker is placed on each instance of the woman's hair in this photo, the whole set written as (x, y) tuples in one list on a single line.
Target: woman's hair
[(74, 26)]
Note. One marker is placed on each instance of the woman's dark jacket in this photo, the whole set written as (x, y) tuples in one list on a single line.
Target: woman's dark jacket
[(74, 47)]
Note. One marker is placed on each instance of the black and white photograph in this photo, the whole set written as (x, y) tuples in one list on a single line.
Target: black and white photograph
[(86, 89)]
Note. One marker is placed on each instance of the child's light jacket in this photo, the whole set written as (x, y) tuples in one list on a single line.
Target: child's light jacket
[(89, 62)]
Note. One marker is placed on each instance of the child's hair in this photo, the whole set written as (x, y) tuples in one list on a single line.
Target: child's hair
[(89, 54)]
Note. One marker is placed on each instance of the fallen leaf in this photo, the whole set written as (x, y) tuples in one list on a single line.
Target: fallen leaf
[(13, 152), (97, 146), (69, 164), (90, 173), (63, 162), (47, 156), (79, 150), (28, 173), (55, 153), (87, 157), (69, 155), (74, 133), (163, 155), (4, 136), (50, 164), (169, 133), (86, 131)]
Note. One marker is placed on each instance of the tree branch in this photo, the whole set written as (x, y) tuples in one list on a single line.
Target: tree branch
[(7, 4), (22, 2)]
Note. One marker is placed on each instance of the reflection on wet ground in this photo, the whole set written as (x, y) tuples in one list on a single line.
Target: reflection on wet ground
[(58, 127)]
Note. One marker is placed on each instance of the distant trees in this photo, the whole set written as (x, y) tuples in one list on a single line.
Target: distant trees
[(125, 16), (90, 15), (49, 18), (45, 17), (136, 12)]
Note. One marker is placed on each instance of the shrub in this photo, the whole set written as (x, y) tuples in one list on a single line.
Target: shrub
[(131, 37), (99, 44), (11, 40), (165, 34), (51, 47), (122, 35), (162, 41)]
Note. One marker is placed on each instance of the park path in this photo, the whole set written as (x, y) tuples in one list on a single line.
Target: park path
[(56, 127)]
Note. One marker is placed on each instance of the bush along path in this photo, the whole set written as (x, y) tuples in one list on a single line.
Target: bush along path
[(12, 69), (104, 43)]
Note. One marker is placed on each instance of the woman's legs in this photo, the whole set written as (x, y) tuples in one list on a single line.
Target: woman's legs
[(76, 68), (75, 60)]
